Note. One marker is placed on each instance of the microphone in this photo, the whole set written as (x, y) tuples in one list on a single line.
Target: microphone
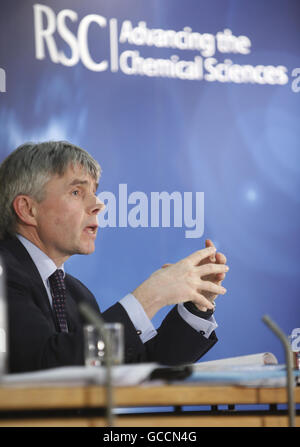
[(95, 319), (289, 365)]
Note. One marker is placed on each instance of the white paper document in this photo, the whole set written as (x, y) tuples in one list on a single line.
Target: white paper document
[(260, 370), (122, 375), (253, 376), (250, 370), (263, 358)]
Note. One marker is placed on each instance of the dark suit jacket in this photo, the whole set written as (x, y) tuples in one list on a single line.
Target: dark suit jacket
[(35, 342)]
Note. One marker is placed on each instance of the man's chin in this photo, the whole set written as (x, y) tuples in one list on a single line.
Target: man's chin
[(91, 248), (85, 249)]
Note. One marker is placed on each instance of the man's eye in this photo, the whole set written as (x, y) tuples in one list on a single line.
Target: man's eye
[(75, 192)]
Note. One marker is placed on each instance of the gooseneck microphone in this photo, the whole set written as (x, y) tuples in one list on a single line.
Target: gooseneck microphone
[(95, 319), (289, 365)]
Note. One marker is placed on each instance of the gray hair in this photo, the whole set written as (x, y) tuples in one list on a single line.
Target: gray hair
[(29, 167)]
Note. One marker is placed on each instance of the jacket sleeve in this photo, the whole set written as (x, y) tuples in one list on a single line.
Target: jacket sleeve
[(176, 341)]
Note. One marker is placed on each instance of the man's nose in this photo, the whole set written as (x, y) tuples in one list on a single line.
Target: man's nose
[(97, 206)]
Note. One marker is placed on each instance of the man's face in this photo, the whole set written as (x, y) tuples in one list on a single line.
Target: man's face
[(66, 218)]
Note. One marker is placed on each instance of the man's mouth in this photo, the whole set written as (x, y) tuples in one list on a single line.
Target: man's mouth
[(91, 229)]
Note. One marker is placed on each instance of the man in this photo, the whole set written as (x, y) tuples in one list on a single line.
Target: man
[(49, 211)]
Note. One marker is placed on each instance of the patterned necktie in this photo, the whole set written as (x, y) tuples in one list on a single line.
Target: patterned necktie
[(58, 292)]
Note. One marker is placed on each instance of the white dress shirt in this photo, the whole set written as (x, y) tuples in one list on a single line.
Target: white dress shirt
[(134, 309)]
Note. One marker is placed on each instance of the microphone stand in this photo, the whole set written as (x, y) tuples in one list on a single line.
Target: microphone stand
[(99, 324), (289, 365)]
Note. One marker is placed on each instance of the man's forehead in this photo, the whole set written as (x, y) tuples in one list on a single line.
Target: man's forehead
[(82, 170), (78, 174)]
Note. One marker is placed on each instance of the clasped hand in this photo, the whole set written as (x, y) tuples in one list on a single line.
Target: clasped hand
[(196, 278)]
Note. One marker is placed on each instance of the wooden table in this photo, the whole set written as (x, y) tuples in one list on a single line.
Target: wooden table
[(84, 406)]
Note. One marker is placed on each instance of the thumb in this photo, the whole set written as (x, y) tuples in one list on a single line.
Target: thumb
[(209, 243)]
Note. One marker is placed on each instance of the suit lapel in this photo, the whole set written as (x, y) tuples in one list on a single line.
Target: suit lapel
[(73, 315), (29, 268)]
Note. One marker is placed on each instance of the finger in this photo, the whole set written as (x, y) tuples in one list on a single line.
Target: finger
[(209, 243), (199, 299), (220, 276), (212, 269), (208, 286), (202, 308), (220, 258), (217, 278), (199, 255)]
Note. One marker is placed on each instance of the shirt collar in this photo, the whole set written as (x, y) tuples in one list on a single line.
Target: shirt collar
[(43, 263)]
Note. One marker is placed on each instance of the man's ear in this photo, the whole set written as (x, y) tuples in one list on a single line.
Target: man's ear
[(25, 209)]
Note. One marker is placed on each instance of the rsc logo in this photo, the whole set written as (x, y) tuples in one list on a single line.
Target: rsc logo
[(46, 28)]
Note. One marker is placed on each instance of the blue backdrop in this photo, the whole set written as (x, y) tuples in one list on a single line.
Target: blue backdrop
[(186, 96)]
